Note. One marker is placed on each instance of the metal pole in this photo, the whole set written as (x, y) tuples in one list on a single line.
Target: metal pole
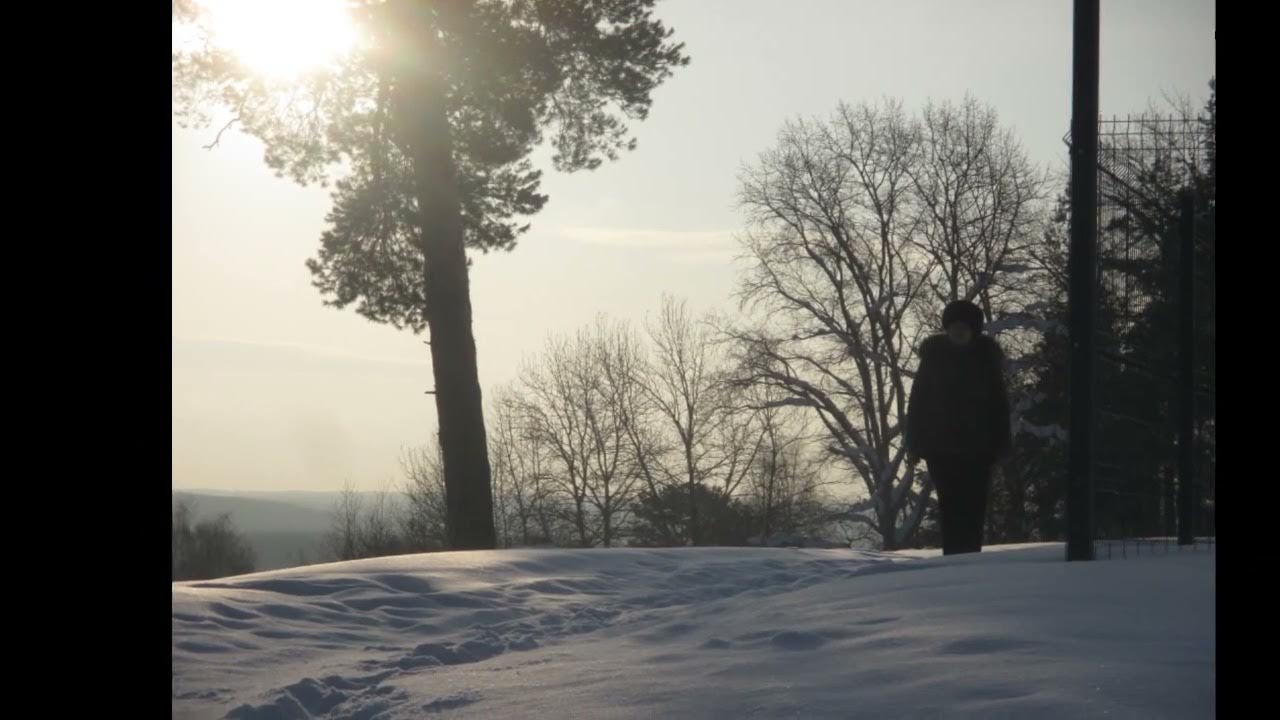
[(1186, 372), (1083, 271)]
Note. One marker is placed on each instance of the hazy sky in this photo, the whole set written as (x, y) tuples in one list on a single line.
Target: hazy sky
[(273, 391)]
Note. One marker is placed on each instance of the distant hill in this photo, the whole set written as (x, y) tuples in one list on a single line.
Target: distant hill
[(320, 501), (257, 514), (283, 534), (286, 529)]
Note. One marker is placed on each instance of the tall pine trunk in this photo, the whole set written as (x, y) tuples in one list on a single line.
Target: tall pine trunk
[(464, 451)]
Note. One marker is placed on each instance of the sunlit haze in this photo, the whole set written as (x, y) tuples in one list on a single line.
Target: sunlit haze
[(273, 391), (280, 39)]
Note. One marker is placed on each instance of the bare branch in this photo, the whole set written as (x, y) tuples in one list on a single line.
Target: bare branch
[(218, 138)]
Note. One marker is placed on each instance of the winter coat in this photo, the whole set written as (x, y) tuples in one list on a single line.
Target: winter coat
[(959, 405)]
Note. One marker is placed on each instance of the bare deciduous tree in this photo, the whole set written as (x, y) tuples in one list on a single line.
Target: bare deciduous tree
[(362, 527), (343, 538), (552, 395), (982, 203), (423, 522), (521, 482), (784, 484), (857, 225), (378, 536), (573, 403), (207, 549), (616, 354), (709, 440)]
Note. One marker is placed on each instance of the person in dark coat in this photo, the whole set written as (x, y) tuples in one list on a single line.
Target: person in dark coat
[(958, 421)]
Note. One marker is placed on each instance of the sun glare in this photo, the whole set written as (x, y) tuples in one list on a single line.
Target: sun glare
[(281, 39)]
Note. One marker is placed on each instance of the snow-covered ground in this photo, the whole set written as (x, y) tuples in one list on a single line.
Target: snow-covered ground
[(703, 633)]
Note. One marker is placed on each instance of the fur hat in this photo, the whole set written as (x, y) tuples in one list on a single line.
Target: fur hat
[(963, 311)]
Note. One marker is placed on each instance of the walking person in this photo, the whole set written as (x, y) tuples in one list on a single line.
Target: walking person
[(958, 422)]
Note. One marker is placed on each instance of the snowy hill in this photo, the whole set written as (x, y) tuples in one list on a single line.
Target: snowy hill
[(703, 632)]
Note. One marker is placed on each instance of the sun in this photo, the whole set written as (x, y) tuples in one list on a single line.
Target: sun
[(281, 39)]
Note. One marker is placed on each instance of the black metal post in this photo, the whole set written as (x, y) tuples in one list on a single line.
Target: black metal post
[(1186, 371), (1083, 276)]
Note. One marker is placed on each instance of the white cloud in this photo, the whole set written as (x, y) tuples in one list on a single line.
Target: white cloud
[(286, 350), (701, 241)]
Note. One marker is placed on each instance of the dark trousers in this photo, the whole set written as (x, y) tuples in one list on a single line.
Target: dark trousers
[(962, 498)]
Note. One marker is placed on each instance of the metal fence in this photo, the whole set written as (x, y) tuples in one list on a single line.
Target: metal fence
[(1155, 446)]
